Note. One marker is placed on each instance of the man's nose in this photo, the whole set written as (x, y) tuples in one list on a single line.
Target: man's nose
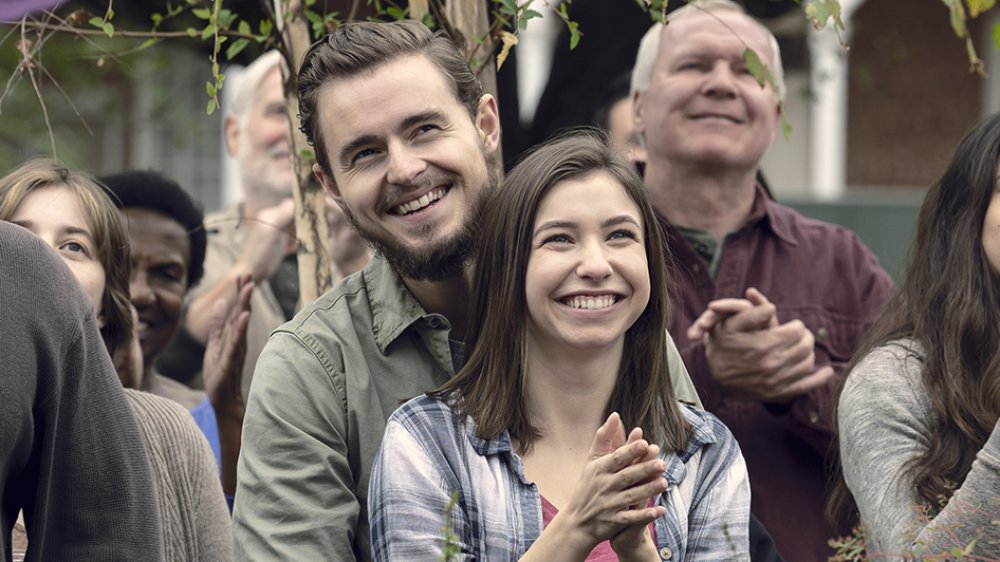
[(139, 290), (405, 165), (720, 81)]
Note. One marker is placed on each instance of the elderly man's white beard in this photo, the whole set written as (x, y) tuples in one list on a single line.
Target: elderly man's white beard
[(263, 176)]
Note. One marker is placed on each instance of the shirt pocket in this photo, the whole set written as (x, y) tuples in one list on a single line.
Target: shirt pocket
[(837, 335)]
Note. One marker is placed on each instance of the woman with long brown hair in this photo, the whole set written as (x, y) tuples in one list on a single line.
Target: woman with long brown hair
[(567, 349), (919, 438)]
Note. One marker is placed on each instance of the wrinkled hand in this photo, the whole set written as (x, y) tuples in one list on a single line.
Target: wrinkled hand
[(226, 349), (752, 356), (618, 476), (268, 240), (128, 359)]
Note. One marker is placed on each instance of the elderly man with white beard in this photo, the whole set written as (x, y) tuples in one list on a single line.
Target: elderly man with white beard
[(257, 235)]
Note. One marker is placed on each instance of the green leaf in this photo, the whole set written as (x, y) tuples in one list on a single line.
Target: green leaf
[(817, 12), (428, 20), (192, 32), (202, 13), (265, 28), (157, 19), (508, 7), (310, 3), (210, 89), (396, 12), (977, 7), (96, 22), (208, 31), (146, 44), (996, 35), (109, 29), (761, 73), (236, 47), (244, 27), (530, 14), (957, 12), (212, 104), (833, 6), (226, 18), (110, 14), (956, 551), (574, 34), (314, 17)]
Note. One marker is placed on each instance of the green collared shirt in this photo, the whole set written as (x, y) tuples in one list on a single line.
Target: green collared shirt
[(323, 388)]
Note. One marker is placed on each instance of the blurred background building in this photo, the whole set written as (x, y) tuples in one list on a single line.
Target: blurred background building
[(872, 126)]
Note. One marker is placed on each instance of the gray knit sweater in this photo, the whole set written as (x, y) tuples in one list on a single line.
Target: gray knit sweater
[(884, 420), (193, 513), (71, 454)]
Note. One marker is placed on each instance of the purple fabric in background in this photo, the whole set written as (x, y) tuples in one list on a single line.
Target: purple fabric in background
[(12, 10)]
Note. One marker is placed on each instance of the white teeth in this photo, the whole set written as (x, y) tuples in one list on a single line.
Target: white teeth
[(590, 303), (425, 200)]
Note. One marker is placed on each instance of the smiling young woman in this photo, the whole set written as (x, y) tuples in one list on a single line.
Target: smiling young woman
[(567, 350)]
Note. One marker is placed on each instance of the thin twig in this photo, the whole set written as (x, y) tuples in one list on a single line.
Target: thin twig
[(68, 99), (130, 33), (94, 44), (34, 84)]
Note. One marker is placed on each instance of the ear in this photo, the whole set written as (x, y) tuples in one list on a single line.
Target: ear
[(231, 128), (328, 184), (778, 112), (488, 122), (638, 113), (101, 321)]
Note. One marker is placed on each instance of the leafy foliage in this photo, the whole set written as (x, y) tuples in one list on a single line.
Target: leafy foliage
[(452, 542)]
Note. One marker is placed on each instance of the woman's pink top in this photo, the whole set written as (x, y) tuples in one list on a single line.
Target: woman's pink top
[(602, 552)]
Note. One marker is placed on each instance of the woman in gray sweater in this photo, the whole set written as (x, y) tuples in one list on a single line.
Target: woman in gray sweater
[(919, 438)]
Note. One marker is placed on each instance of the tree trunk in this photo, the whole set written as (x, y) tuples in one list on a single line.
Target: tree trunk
[(471, 20), (316, 273)]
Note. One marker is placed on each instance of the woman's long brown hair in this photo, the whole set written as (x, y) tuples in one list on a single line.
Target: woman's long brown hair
[(949, 302)]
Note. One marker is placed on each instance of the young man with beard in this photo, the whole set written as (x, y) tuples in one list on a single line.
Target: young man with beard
[(770, 304), (406, 143)]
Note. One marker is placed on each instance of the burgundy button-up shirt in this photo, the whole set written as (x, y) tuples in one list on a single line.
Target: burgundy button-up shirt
[(822, 275)]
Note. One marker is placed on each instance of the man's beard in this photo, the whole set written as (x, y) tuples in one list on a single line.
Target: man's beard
[(263, 178), (445, 259)]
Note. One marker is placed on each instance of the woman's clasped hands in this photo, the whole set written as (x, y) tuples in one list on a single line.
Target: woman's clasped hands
[(612, 498)]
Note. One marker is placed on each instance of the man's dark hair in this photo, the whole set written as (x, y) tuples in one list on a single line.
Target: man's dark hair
[(362, 46), (150, 190), (617, 90)]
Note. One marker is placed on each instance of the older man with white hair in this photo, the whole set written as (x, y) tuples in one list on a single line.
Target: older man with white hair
[(257, 236), (769, 305)]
